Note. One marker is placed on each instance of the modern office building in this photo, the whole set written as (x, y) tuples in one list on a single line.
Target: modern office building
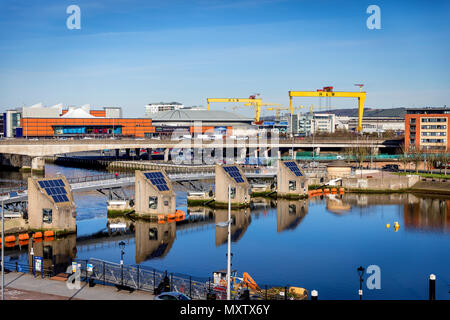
[(153, 108), (427, 129), (378, 124), (12, 123)]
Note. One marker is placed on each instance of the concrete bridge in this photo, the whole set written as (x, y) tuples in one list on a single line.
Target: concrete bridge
[(25, 153), (113, 182)]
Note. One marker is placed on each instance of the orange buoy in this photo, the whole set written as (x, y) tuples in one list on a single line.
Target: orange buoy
[(326, 190), (180, 215), (24, 236), (10, 239), (333, 190), (37, 235), (49, 233), (171, 216), (10, 244), (341, 190)]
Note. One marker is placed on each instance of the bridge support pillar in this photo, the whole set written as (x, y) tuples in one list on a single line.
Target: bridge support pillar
[(376, 151), (166, 155), (38, 165)]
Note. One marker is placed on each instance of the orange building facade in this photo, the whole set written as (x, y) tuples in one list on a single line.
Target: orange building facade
[(427, 131), (54, 127)]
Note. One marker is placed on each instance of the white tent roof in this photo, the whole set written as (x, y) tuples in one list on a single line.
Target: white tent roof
[(77, 113)]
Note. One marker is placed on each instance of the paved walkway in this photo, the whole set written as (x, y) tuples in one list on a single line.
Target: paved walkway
[(24, 286)]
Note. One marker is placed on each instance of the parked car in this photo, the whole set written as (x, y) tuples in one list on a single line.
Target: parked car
[(391, 167), (172, 295)]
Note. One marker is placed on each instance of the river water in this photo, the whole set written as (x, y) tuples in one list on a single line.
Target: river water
[(316, 244)]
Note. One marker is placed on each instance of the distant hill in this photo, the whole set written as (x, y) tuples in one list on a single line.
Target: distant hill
[(369, 112)]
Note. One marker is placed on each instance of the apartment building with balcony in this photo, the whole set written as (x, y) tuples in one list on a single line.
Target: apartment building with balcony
[(427, 129)]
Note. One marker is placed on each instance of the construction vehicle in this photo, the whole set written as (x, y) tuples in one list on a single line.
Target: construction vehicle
[(329, 93)]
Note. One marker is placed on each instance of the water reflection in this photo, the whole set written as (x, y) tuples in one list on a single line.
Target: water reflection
[(153, 240), (290, 213), (427, 214), (241, 219), (57, 255)]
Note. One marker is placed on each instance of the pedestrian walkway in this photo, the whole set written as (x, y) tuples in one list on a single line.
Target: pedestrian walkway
[(24, 286)]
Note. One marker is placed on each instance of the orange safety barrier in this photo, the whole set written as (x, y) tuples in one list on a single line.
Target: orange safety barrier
[(37, 240), (10, 244), (37, 235), (333, 190), (24, 236), (326, 190), (341, 190), (49, 233), (23, 242), (49, 238)]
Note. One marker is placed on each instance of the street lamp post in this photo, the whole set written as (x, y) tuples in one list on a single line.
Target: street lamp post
[(122, 247), (222, 225), (361, 274)]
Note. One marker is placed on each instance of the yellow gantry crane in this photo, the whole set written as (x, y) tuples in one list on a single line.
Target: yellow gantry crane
[(328, 92), (278, 109), (252, 100)]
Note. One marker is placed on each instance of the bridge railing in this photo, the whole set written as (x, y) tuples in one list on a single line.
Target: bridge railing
[(99, 177)]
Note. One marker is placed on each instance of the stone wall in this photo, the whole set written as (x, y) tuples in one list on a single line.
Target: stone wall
[(385, 183)]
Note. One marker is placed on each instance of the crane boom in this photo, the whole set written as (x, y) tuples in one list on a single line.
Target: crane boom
[(256, 102), (342, 94)]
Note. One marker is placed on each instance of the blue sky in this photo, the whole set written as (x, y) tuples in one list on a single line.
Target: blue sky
[(129, 53)]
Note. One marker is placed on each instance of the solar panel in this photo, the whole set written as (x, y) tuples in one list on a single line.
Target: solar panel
[(158, 180), (55, 189), (234, 173), (294, 168)]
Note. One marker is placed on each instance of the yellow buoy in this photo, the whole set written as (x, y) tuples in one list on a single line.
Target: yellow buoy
[(388, 225)]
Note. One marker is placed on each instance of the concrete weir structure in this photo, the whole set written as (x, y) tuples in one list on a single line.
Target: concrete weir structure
[(291, 180), (51, 205), (240, 187), (154, 194), (153, 240)]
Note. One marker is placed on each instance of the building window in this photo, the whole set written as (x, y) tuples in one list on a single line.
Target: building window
[(292, 209), (152, 234), (166, 203), (292, 185), (153, 202), (303, 185), (412, 121), (47, 215), (233, 193), (47, 252)]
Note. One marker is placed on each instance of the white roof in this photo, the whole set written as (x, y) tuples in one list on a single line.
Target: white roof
[(77, 113)]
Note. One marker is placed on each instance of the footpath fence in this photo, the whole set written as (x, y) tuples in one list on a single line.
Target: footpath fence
[(143, 278)]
